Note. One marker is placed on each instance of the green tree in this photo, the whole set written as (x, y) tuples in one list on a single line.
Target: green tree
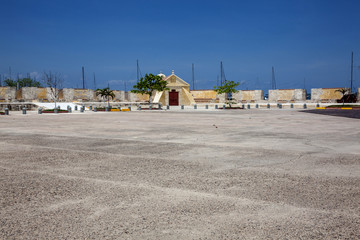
[(10, 83), (28, 82), (23, 82), (227, 87), (105, 93), (148, 84), (344, 92)]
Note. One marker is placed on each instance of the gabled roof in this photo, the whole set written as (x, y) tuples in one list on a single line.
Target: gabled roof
[(174, 80)]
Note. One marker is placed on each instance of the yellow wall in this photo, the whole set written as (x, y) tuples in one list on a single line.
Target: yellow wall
[(286, 94), (247, 95), (142, 97), (330, 93), (3, 92), (204, 93), (41, 93), (81, 94)]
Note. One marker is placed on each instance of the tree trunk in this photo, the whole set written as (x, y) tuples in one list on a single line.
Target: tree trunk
[(150, 98)]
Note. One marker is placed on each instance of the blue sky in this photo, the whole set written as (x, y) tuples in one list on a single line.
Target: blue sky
[(310, 40)]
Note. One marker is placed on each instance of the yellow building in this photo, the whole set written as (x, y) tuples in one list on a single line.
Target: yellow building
[(179, 93)]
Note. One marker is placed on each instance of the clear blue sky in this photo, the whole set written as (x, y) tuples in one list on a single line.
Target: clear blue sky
[(307, 39)]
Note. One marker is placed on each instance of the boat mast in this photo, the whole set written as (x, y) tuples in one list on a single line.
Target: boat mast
[(221, 73), (273, 85), (94, 82), (352, 69), (137, 69), (83, 77), (193, 77)]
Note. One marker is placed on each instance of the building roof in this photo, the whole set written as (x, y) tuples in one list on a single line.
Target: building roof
[(174, 80)]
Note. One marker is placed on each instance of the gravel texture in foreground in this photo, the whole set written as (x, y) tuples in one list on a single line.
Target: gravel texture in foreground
[(240, 174)]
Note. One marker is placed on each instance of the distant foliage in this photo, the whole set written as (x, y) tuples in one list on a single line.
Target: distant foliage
[(23, 82), (148, 84)]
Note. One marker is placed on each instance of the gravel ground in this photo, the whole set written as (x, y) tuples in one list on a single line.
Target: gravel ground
[(242, 174)]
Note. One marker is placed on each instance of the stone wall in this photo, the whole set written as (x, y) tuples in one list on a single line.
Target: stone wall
[(325, 95), (248, 96), (137, 97), (75, 94), (119, 96), (34, 94), (7, 94), (204, 94), (287, 95), (84, 95), (66, 94)]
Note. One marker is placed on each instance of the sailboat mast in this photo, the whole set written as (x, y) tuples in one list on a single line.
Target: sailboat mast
[(352, 69), (83, 77), (193, 77), (221, 73), (273, 79), (94, 82), (137, 69)]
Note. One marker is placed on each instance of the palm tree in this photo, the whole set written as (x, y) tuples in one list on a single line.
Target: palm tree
[(343, 91), (105, 93)]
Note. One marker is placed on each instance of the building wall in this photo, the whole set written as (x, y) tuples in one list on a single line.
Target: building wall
[(288, 95), (325, 94), (7, 94)]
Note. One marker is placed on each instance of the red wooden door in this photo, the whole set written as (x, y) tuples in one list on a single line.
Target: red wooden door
[(173, 98)]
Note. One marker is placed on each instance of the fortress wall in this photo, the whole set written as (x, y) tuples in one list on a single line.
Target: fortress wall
[(204, 94), (119, 96), (287, 95), (137, 97), (84, 95), (325, 94), (67, 94), (34, 94), (249, 95), (7, 94)]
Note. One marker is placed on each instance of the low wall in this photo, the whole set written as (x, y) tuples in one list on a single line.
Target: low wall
[(119, 96), (75, 94), (287, 95), (34, 94), (204, 96), (137, 97), (246, 96), (325, 95), (7, 94)]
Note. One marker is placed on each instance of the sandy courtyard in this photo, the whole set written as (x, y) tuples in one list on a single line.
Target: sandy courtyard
[(247, 174)]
